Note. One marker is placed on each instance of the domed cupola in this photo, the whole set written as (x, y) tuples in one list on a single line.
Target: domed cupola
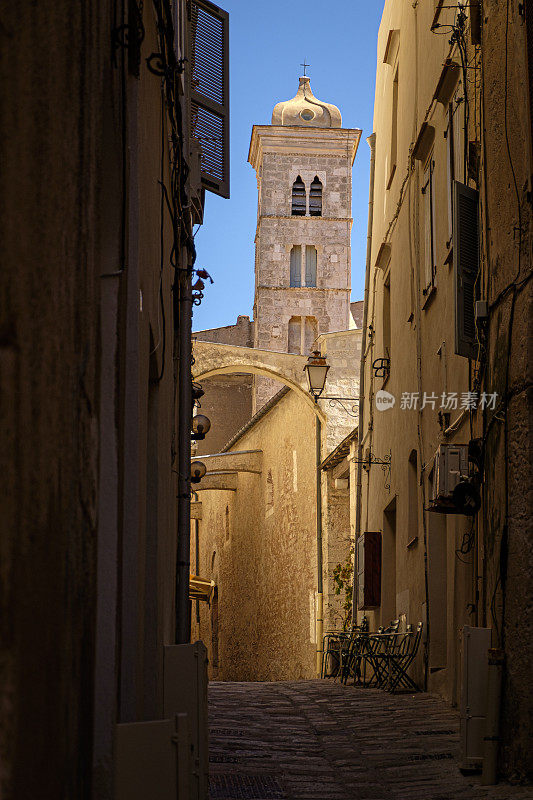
[(305, 110)]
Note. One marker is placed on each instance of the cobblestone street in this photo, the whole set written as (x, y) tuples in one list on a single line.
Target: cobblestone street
[(318, 740)]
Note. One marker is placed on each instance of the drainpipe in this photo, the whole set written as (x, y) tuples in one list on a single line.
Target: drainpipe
[(320, 596), (197, 556), (359, 488), (183, 555)]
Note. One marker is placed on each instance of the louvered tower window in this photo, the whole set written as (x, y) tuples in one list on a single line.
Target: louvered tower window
[(315, 198), (208, 30), (298, 198)]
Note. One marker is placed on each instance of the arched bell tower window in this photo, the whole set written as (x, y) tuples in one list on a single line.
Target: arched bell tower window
[(298, 198), (315, 198)]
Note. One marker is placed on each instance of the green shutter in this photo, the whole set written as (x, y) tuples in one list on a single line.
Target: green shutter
[(310, 265), (209, 91), (466, 267), (296, 266)]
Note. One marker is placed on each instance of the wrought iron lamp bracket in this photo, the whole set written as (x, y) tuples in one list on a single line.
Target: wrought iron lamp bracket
[(384, 463), (352, 411)]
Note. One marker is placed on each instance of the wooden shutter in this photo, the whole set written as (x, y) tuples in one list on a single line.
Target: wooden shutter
[(369, 570), (296, 266), (429, 225), (466, 266), (450, 169), (209, 91), (310, 265)]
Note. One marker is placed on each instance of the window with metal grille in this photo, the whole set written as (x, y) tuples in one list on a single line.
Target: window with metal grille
[(466, 267), (315, 198), (209, 91), (298, 198)]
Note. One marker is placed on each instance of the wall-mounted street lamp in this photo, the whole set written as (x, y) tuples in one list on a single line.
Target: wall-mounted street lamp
[(200, 426), (317, 371), (198, 471)]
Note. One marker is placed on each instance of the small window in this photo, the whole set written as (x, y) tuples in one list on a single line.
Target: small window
[(298, 198), (294, 341), (296, 266), (315, 198), (310, 265), (310, 334)]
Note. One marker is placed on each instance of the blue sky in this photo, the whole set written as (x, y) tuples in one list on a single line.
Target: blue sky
[(268, 42)]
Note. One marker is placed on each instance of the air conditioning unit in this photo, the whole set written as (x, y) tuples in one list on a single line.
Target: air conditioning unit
[(450, 468)]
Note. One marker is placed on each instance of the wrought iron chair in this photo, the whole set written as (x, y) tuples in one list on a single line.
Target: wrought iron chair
[(400, 657), (334, 645), (368, 650)]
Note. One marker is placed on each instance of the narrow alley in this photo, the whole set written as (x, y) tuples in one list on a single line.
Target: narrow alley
[(316, 740)]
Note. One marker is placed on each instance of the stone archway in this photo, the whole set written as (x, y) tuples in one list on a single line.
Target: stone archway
[(212, 358)]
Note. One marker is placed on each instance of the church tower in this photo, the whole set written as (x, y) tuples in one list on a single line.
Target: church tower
[(303, 162)]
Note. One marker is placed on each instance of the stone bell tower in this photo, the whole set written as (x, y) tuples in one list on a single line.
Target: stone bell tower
[(303, 162)]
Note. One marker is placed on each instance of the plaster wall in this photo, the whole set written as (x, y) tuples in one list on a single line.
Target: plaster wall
[(53, 248), (509, 366), (259, 545), (337, 540), (421, 332), (228, 391), (86, 400), (479, 587)]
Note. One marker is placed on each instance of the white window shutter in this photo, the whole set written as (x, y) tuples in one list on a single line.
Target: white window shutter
[(466, 266), (209, 91)]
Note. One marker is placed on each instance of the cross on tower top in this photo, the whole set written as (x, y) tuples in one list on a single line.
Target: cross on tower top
[(304, 65)]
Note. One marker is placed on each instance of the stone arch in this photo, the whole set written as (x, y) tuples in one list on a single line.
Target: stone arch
[(212, 359)]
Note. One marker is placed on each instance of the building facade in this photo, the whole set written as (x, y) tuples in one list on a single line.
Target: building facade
[(445, 347), (95, 285)]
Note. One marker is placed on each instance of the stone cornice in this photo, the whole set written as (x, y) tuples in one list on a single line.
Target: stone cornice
[(341, 142), (303, 288), (317, 220)]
